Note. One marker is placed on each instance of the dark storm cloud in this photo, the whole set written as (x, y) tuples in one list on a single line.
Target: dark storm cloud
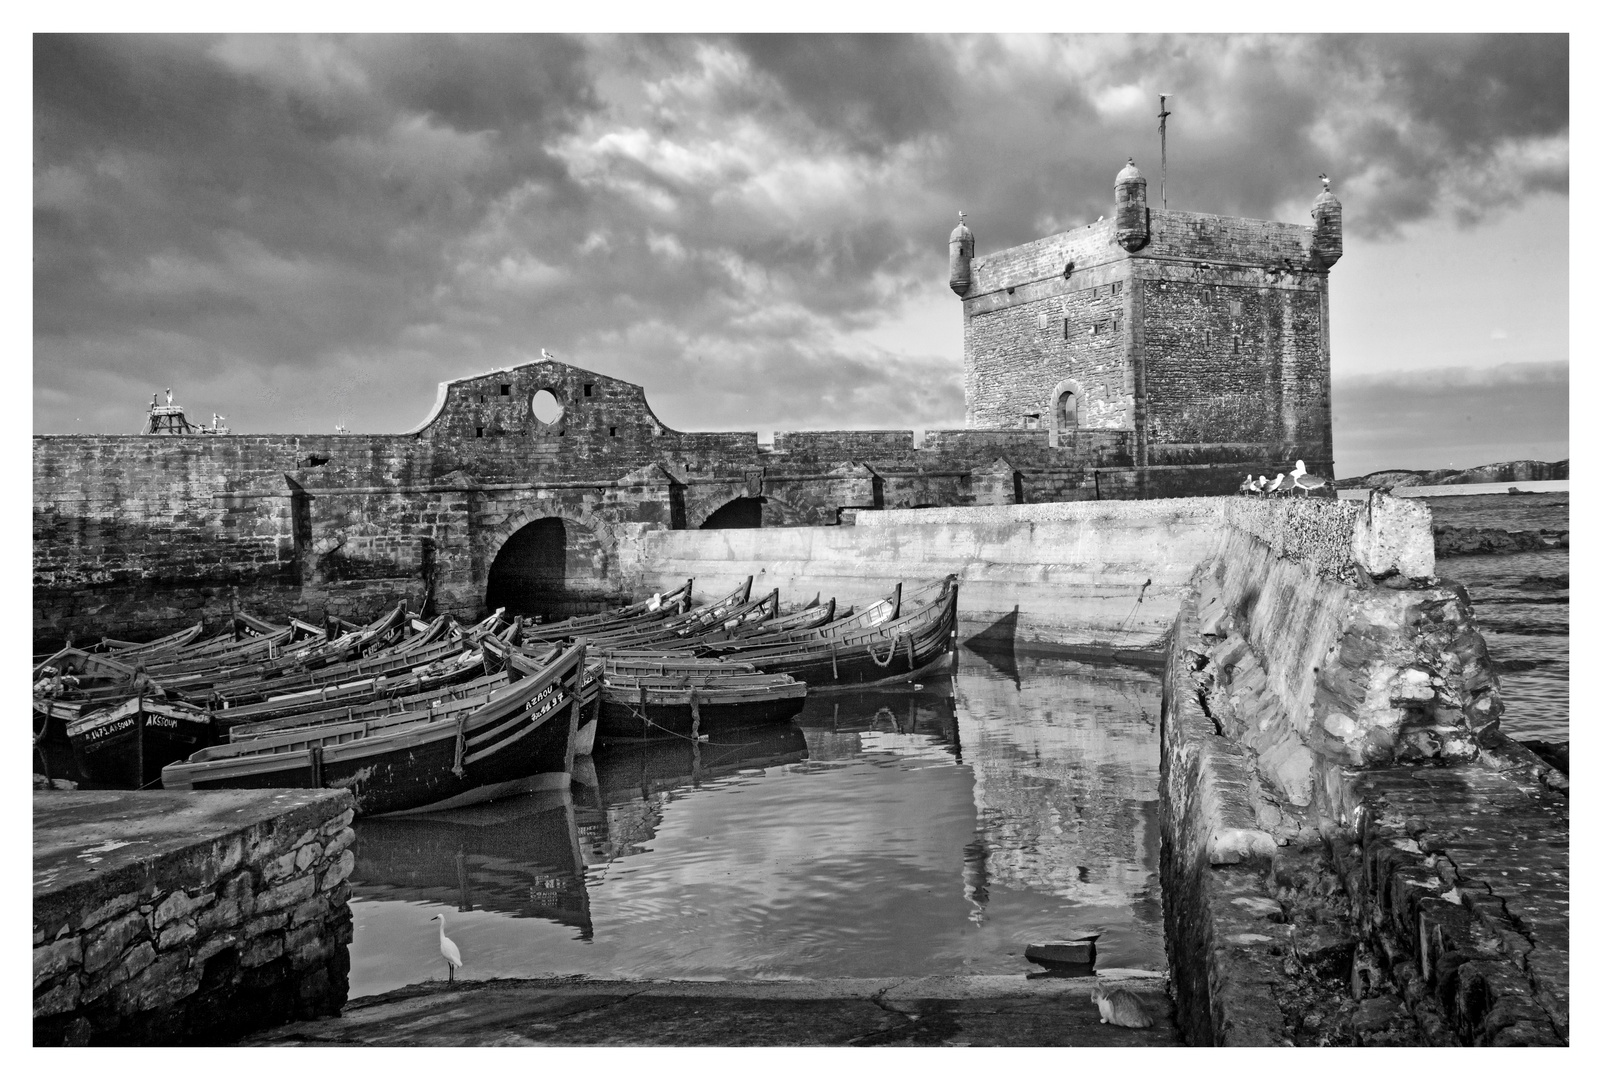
[(303, 231), (1458, 417)]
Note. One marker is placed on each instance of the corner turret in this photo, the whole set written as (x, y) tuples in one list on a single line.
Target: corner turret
[(1129, 216), (1326, 227), (961, 256)]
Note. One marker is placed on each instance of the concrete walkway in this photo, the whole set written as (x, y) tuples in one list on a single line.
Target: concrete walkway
[(1000, 1010)]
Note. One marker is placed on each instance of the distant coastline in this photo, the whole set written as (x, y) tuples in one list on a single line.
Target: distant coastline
[(1502, 472)]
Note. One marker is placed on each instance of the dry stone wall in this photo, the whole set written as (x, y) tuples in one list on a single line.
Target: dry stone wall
[(193, 938)]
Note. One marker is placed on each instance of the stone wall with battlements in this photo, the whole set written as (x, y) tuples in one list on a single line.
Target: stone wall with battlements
[(1212, 338)]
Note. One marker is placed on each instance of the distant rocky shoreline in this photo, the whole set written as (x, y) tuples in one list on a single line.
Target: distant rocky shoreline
[(1470, 540), (1502, 472)]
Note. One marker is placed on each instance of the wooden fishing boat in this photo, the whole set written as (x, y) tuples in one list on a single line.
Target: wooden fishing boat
[(126, 745), (649, 707), (689, 630), (518, 741), (303, 657), (920, 642), (356, 690), (456, 656), (171, 643), (808, 618), (446, 701), (652, 609), (72, 675), (685, 700)]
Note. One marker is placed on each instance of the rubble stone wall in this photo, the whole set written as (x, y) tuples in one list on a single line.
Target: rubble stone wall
[(197, 939)]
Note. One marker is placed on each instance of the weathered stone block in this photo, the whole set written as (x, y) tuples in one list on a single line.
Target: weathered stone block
[(338, 871), (339, 842), (279, 868), (339, 823), (108, 942), (176, 934), (265, 923), (164, 981), (177, 905), (55, 958), (314, 909), (287, 894), (261, 950), (306, 855), (109, 910), (299, 937), (135, 960), (212, 946), (59, 998)]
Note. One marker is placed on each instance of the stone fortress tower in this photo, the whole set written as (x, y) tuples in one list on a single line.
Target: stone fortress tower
[(1205, 336)]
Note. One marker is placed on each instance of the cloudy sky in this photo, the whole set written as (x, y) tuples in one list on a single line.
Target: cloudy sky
[(299, 232)]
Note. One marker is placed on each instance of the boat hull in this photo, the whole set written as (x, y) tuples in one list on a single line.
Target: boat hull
[(126, 747), (627, 719), (475, 758)]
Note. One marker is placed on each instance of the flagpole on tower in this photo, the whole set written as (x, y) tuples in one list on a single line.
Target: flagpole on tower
[(1162, 134)]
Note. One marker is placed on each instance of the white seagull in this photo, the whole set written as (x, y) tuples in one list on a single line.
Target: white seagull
[(448, 949), (1248, 485), (1279, 478), (1305, 483), (545, 354), (1324, 180)]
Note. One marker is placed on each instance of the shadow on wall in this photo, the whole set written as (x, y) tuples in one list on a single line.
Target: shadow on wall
[(743, 513)]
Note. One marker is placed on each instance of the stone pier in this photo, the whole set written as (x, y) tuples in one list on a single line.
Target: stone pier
[(180, 918)]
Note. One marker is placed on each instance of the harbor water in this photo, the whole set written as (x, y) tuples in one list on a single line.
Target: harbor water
[(928, 831), (1521, 602)]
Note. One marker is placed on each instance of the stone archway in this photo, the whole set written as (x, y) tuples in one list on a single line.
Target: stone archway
[(551, 567), (741, 513), (1063, 407)]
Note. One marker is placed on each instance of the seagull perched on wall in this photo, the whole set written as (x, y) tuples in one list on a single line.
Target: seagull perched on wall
[(1274, 488), (1304, 483), (1322, 179), (1249, 485), (545, 354), (448, 949)]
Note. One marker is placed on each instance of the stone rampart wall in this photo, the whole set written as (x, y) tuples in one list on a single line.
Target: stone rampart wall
[(163, 920)]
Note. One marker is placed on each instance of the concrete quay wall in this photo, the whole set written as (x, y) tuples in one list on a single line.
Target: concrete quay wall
[(1105, 575), (179, 918)]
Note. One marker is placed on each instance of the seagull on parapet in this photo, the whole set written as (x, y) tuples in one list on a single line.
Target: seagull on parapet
[(1324, 179), (545, 354), (1279, 478), (1305, 483)]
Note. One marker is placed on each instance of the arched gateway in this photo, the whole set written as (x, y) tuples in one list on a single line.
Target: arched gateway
[(553, 567)]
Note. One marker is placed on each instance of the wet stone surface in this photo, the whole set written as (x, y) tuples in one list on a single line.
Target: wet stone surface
[(962, 1011)]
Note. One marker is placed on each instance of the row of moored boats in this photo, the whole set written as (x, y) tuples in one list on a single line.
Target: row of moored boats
[(414, 714)]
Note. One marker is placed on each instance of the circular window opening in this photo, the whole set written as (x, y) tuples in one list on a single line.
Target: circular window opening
[(547, 410)]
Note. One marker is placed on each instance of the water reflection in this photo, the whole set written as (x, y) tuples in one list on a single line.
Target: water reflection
[(518, 857), (935, 830)]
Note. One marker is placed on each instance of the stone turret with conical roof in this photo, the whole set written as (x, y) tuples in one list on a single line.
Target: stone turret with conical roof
[(961, 256), (1326, 249), (1129, 214)]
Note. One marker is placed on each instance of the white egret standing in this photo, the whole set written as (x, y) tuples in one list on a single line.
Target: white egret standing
[(448, 949)]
